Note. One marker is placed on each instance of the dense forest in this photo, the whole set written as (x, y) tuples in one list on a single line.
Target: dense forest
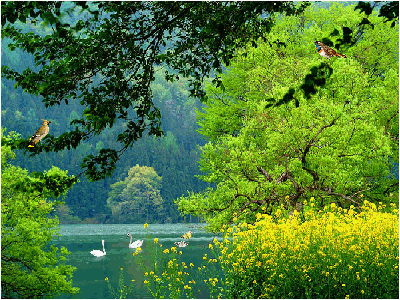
[(174, 157)]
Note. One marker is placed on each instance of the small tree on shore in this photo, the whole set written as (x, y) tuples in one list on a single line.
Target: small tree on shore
[(137, 198)]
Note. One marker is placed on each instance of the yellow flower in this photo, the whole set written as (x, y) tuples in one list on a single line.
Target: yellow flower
[(156, 240), (146, 225), (362, 292), (166, 251), (106, 279), (347, 297)]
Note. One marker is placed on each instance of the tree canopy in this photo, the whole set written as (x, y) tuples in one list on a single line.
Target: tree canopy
[(137, 198), (289, 125), (29, 267), (106, 53)]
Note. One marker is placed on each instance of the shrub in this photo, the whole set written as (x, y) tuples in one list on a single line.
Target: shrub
[(334, 253)]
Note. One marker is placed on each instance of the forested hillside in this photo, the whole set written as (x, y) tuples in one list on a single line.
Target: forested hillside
[(174, 157)]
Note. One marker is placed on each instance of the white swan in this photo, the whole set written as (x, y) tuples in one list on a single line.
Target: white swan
[(99, 253), (181, 244), (135, 244)]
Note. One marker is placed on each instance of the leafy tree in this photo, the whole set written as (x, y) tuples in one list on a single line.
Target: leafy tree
[(29, 267), (107, 59), (289, 125), (137, 198)]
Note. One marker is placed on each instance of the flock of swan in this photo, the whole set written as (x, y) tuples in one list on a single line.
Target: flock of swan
[(138, 243)]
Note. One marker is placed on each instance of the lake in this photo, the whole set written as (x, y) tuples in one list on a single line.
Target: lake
[(92, 271)]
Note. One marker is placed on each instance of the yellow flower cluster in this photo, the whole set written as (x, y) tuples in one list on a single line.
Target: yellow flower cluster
[(349, 247), (138, 250)]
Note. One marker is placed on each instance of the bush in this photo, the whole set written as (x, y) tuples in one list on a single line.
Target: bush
[(334, 253)]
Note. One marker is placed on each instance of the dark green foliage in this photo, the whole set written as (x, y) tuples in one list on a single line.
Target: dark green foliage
[(107, 59), (390, 11), (317, 78)]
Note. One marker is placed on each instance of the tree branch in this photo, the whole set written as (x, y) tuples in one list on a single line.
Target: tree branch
[(307, 149), (265, 173)]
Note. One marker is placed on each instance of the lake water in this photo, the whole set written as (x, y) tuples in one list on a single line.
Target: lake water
[(92, 271)]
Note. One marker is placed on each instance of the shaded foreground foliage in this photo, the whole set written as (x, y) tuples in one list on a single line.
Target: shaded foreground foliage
[(29, 268)]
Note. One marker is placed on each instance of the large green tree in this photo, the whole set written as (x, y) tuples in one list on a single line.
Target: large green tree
[(30, 268), (290, 125), (107, 56), (137, 199)]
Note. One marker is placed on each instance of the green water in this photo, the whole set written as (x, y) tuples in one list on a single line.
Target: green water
[(91, 271)]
